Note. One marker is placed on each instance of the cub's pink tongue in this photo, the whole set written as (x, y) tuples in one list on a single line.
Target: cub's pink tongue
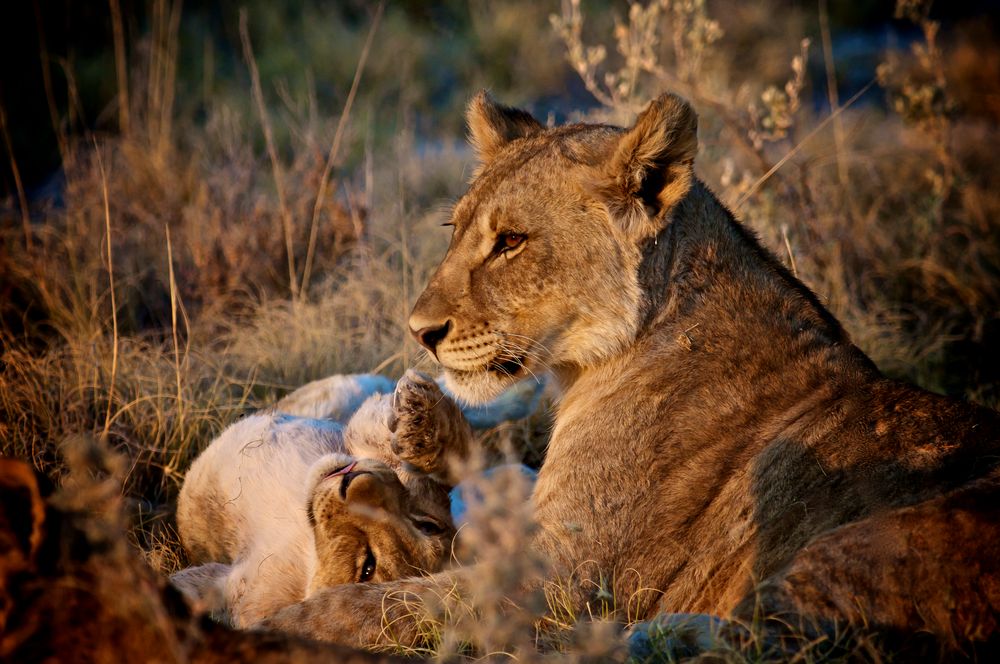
[(345, 469)]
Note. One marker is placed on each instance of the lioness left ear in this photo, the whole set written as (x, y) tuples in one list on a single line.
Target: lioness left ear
[(493, 125), (651, 168)]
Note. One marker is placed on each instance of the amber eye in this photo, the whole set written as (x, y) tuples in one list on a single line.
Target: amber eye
[(367, 567), (508, 241)]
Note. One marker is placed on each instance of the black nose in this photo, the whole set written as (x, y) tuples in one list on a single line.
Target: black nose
[(430, 336)]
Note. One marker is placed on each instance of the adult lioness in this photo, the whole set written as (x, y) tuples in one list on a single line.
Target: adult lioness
[(719, 438)]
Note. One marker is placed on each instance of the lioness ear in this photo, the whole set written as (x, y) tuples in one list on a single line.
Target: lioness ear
[(651, 168), (493, 125)]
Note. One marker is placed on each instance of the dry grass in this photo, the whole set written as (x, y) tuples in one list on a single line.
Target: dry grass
[(159, 318)]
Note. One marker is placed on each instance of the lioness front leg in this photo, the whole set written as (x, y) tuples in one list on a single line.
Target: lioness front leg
[(362, 614), (404, 612), (430, 432)]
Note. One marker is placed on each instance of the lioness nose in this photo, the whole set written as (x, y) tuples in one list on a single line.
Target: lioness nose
[(430, 336)]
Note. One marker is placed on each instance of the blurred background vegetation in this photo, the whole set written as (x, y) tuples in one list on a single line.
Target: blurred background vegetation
[(427, 59), (184, 240)]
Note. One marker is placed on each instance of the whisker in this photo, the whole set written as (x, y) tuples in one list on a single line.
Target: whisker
[(517, 352), (520, 362), (522, 365), (504, 371), (531, 341), (541, 358)]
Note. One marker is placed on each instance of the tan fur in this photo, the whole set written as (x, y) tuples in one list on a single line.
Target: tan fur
[(721, 446)]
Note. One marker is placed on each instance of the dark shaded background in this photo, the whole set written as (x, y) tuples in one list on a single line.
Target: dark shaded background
[(76, 36)]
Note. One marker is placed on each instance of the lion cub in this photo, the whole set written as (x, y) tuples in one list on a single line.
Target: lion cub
[(280, 506)]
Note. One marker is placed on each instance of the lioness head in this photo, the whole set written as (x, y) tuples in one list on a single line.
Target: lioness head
[(542, 270), (366, 526)]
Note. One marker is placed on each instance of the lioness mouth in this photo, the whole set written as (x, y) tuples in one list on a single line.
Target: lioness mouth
[(508, 366)]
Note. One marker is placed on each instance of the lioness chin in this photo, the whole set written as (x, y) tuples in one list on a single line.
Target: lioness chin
[(720, 445)]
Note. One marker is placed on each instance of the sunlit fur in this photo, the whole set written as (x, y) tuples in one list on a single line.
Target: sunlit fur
[(720, 446)]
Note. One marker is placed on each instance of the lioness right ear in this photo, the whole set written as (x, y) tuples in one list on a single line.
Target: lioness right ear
[(652, 166), (493, 125)]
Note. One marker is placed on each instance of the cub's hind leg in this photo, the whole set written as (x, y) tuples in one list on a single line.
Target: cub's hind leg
[(204, 586), (334, 397)]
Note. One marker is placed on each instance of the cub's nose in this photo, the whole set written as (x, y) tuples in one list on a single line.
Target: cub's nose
[(430, 336)]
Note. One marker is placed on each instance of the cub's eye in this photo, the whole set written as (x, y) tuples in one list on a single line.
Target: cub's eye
[(367, 567), (508, 242), (428, 527)]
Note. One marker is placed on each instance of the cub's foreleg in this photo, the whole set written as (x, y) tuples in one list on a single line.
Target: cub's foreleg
[(430, 432)]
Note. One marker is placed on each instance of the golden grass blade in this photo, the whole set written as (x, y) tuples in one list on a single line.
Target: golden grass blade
[(335, 148), (22, 198), (121, 66), (111, 288), (795, 150), (272, 151), (173, 330), (831, 91)]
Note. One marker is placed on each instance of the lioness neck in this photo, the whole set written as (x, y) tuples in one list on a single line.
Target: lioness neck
[(709, 284), (732, 353), (727, 333)]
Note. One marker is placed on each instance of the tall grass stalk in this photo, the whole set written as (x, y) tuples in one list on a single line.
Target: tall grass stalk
[(335, 148), (22, 198), (788, 156), (173, 334), (121, 66), (111, 289), (832, 95), (272, 151)]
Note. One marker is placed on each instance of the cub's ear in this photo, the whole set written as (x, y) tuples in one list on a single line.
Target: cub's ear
[(493, 125), (651, 168)]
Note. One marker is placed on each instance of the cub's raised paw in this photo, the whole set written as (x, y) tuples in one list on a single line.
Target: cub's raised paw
[(428, 425)]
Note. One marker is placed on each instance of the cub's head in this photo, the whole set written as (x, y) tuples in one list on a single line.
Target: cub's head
[(542, 271), (366, 526)]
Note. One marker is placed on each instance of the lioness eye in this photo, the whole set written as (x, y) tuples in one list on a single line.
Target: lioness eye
[(367, 567), (507, 241)]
